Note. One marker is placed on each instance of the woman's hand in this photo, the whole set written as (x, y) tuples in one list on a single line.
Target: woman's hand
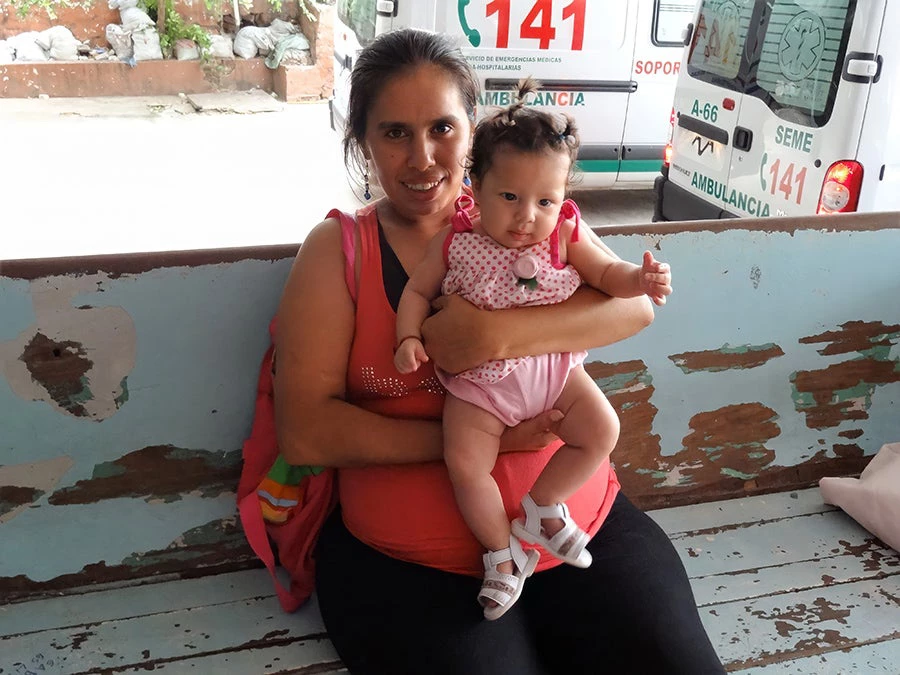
[(534, 434), (457, 337)]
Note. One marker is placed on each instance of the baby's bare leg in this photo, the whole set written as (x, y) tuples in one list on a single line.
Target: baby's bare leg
[(589, 429), (471, 444)]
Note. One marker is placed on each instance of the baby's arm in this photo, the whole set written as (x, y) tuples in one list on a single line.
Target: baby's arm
[(415, 304), (619, 278)]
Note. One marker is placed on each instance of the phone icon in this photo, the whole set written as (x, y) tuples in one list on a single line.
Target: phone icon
[(472, 35)]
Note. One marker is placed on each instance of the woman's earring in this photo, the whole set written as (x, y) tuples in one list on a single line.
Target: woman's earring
[(466, 181), (367, 194)]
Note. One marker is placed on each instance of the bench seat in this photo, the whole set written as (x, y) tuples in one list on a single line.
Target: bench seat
[(784, 583)]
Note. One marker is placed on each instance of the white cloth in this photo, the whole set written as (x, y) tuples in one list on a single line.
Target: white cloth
[(873, 499)]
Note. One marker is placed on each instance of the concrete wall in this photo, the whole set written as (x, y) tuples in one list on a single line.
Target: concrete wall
[(65, 79), (85, 24), (127, 383)]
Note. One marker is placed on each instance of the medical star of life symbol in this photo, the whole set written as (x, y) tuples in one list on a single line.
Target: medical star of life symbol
[(802, 45)]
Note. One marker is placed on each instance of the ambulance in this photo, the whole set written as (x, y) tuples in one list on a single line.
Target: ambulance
[(610, 64), (785, 108)]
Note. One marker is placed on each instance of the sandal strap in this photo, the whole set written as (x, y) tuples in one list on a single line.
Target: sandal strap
[(534, 513), (517, 553), (570, 541), (498, 587), (498, 596), (571, 534), (513, 552), (493, 558)]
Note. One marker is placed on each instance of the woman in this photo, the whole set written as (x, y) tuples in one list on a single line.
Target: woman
[(397, 568)]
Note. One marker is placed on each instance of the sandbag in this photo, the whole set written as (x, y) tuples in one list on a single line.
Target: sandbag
[(134, 19), (186, 50), (120, 41), (46, 37), (281, 28), (26, 47), (252, 40), (7, 54), (221, 47), (146, 45), (59, 43)]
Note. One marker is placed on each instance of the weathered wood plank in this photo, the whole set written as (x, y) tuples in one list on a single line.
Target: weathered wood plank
[(777, 542), (803, 624), (817, 573), (133, 601), (806, 583), (304, 656), (232, 626), (881, 658), (759, 508)]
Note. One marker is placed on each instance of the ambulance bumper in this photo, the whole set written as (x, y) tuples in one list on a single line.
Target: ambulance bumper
[(674, 203)]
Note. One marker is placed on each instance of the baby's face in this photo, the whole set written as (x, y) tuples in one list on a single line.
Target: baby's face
[(521, 194)]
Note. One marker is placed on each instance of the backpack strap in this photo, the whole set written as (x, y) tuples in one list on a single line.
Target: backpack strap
[(260, 453), (261, 450)]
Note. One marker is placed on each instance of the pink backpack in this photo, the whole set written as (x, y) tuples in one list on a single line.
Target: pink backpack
[(278, 503)]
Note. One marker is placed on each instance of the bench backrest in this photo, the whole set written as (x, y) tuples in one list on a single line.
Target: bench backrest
[(128, 381)]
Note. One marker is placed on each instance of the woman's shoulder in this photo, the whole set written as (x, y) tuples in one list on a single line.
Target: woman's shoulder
[(337, 226), (322, 259), (324, 236)]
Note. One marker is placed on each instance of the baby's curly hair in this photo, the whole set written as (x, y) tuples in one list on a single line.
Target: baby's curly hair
[(524, 129)]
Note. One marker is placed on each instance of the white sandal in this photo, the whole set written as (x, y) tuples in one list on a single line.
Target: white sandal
[(568, 544), (505, 589)]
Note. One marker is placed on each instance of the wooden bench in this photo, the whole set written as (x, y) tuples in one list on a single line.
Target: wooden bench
[(784, 583), (126, 388)]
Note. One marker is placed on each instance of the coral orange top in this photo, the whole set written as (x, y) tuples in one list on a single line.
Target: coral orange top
[(409, 511)]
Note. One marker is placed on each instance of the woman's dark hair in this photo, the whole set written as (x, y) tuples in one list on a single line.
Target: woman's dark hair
[(391, 54), (524, 129)]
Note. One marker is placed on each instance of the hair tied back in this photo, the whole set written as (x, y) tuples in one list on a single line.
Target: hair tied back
[(524, 87)]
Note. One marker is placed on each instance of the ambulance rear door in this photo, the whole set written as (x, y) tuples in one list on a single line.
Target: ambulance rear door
[(709, 96), (581, 52), (804, 109)]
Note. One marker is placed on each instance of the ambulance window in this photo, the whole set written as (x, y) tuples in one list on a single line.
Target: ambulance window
[(670, 18), (358, 16), (718, 41), (801, 58)]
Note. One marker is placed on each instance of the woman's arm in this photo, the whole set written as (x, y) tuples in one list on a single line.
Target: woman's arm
[(313, 422), (460, 336), (316, 321)]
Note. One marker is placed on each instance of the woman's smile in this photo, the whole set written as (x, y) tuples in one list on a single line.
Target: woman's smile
[(422, 186)]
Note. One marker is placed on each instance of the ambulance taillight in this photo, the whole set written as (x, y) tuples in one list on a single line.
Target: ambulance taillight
[(841, 187), (667, 158)]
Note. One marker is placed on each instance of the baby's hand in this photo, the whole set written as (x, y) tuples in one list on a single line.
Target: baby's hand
[(410, 355), (656, 279)]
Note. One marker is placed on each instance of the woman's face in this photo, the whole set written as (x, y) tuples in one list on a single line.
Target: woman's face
[(417, 137)]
